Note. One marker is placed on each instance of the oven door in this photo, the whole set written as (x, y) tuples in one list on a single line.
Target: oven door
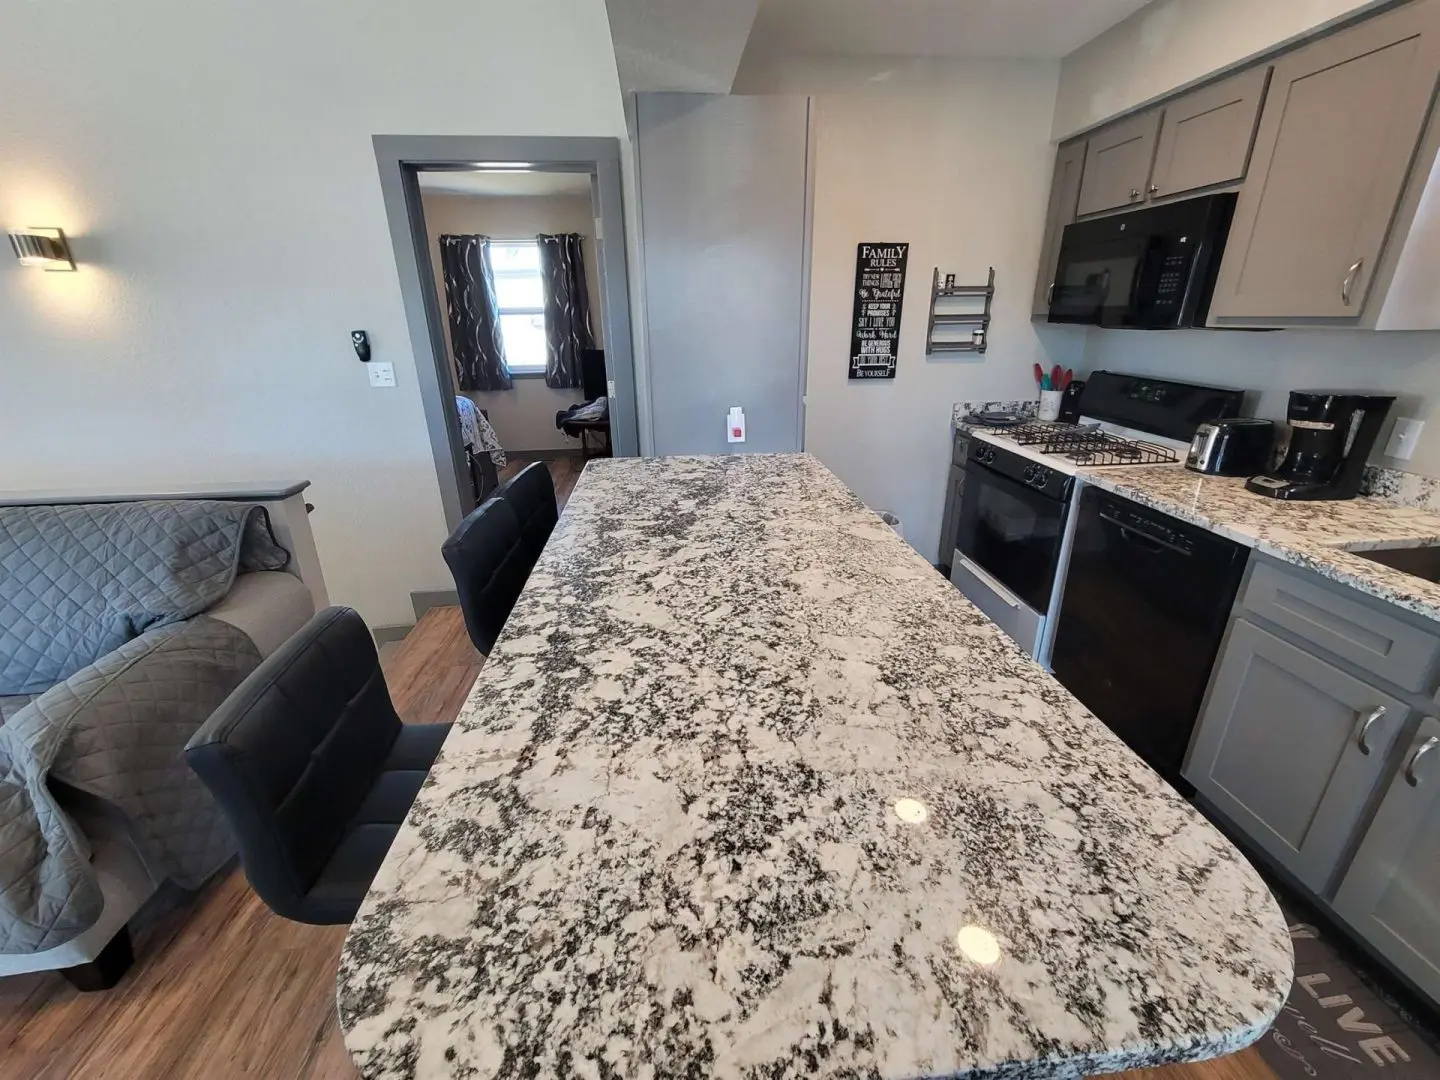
[(1011, 533)]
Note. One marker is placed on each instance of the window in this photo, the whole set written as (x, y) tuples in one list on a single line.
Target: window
[(520, 294)]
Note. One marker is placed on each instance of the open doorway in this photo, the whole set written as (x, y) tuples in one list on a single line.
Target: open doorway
[(516, 299), (514, 264)]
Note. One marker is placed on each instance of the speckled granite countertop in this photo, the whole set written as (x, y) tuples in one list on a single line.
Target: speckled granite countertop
[(1319, 536), (748, 790)]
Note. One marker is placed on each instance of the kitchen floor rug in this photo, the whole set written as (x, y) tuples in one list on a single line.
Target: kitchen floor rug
[(1341, 1022)]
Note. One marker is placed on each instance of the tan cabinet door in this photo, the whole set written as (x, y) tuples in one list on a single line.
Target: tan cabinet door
[(1064, 195), (1206, 136), (1117, 164), (1339, 128)]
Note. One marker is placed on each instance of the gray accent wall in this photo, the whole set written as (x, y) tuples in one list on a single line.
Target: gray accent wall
[(724, 198)]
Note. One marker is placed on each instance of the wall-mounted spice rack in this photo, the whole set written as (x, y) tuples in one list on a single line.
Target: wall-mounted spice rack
[(979, 321)]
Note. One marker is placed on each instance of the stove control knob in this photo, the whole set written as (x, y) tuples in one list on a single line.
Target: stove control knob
[(1030, 471)]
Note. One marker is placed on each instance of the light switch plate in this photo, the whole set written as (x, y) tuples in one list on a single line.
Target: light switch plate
[(381, 374), (1403, 437)]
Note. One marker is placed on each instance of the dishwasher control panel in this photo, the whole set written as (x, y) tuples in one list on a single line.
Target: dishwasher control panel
[(1156, 527)]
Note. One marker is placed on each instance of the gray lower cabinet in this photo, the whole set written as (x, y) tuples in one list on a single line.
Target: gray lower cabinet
[(1341, 123), (1391, 893), (1206, 136), (1064, 196), (1289, 748), (1370, 635), (1117, 164)]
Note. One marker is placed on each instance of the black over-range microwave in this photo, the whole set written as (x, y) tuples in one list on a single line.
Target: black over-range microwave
[(1144, 270)]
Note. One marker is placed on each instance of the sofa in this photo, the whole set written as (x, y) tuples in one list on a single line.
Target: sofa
[(123, 625)]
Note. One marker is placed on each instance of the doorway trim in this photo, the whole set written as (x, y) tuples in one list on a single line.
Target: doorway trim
[(400, 158)]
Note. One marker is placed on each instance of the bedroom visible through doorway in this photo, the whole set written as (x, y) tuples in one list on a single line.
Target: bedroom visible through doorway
[(513, 258), (515, 297)]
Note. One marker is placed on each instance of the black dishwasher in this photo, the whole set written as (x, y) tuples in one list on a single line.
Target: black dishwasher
[(1145, 605)]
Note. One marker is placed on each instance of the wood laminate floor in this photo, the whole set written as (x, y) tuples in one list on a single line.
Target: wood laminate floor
[(222, 989), (563, 471)]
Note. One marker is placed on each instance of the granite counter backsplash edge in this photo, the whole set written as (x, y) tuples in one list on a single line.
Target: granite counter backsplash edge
[(1402, 488), (962, 409)]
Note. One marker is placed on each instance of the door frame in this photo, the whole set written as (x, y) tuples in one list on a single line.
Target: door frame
[(400, 158)]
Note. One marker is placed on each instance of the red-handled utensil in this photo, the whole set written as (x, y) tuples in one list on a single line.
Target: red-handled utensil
[(1055, 377), (1039, 375)]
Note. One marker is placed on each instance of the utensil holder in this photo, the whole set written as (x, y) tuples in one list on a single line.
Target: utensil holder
[(1050, 405)]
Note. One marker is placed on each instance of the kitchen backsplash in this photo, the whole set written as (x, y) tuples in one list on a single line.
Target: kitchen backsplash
[(1405, 488), (965, 408), (1268, 365)]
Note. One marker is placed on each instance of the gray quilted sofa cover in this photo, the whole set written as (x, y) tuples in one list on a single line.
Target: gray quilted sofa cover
[(107, 667)]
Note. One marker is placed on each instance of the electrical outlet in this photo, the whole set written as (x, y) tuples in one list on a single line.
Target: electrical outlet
[(1403, 438), (381, 374)]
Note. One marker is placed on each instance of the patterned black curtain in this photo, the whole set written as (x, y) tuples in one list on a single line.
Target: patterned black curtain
[(474, 313), (567, 308)]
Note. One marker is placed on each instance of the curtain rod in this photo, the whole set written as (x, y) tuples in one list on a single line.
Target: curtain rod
[(530, 239)]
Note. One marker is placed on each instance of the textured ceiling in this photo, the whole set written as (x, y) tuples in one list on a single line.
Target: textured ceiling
[(692, 45), (1027, 29), (505, 183)]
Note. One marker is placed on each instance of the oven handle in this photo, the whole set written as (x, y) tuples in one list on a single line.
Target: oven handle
[(1136, 534), (1010, 599)]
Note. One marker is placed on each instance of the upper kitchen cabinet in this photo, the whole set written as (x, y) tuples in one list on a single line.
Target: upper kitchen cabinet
[(1064, 195), (1206, 136), (1117, 164), (1337, 136), (1391, 893)]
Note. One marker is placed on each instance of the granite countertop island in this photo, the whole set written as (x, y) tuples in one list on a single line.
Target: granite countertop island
[(746, 789)]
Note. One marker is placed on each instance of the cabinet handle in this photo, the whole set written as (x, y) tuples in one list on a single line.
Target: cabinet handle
[(1050, 295), (1134, 193), (1350, 281), (1375, 714), (1006, 597), (1420, 751), (1154, 189)]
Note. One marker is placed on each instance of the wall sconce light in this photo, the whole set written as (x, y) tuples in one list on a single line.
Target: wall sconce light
[(45, 248)]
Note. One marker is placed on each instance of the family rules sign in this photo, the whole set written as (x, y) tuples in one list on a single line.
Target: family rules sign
[(879, 288)]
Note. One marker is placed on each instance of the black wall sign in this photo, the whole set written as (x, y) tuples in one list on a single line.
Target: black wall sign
[(879, 288)]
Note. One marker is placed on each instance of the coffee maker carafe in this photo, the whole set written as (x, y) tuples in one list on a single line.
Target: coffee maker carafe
[(1331, 435)]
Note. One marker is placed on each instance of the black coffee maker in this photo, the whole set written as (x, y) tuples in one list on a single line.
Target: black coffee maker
[(1331, 435)]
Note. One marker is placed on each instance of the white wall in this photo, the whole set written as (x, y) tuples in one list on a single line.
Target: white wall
[(1407, 364), (524, 416), (953, 157), (213, 162), (1173, 43)]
